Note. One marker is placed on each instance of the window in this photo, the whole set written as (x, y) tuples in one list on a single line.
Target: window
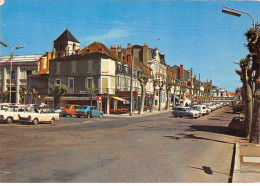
[(23, 74), (58, 67), (71, 83), (105, 67), (12, 74), (89, 83), (90, 66), (73, 66), (58, 81)]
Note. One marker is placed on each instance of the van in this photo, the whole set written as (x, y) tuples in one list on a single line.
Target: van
[(201, 108)]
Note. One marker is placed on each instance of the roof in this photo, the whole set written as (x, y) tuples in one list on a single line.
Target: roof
[(84, 55), (231, 94), (95, 46), (21, 58), (66, 36), (44, 71)]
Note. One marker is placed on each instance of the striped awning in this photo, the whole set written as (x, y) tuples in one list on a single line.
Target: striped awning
[(72, 98), (118, 98)]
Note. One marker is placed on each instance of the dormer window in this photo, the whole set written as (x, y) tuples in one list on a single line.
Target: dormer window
[(126, 69)]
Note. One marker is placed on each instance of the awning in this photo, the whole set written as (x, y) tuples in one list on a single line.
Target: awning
[(118, 98), (72, 98)]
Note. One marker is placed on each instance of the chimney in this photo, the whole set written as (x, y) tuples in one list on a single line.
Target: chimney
[(48, 54), (168, 67), (129, 58), (120, 53), (181, 72), (62, 53), (173, 74), (145, 54), (129, 48), (41, 67), (87, 50), (113, 49)]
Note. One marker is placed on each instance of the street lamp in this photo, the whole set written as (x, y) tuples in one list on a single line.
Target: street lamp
[(11, 57), (234, 12)]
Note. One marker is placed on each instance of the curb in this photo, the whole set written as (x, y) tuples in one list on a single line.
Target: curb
[(236, 171)]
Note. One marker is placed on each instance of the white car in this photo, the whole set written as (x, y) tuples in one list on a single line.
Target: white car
[(11, 113), (36, 116), (201, 108)]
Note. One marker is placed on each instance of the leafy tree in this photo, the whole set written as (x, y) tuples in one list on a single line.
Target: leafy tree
[(58, 91), (253, 46), (143, 80), (245, 76), (5, 96), (92, 92), (22, 93)]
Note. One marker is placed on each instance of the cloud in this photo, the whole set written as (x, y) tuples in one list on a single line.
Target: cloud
[(118, 31)]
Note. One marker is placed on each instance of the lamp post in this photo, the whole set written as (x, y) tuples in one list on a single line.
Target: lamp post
[(11, 57), (235, 13)]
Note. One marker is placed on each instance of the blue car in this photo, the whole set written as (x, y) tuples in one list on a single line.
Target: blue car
[(88, 111)]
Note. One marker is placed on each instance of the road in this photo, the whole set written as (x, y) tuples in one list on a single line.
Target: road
[(151, 148)]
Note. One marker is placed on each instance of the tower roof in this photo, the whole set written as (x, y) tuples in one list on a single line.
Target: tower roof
[(66, 36)]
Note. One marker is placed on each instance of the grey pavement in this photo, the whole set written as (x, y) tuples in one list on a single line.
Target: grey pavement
[(247, 162)]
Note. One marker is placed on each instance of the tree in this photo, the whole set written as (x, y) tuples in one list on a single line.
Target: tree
[(155, 84), (92, 92), (253, 46), (161, 85), (168, 88), (143, 80), (22, 93), (246, 78), (33, 94), (58, 91), (5, 96)]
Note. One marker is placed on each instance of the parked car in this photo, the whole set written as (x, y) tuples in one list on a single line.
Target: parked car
[(58, 109), (69, 110), (89, 111), (238, 107), (201, 108), (237, 126), (36, 116), (11, 114), (184, 112)]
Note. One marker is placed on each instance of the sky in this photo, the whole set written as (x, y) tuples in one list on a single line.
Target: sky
[(195, 34)]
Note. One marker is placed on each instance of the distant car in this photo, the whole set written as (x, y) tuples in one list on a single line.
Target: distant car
[(58, 109), (36, 116), (184, 112), (237, 126), (89, 111), (69, 110)]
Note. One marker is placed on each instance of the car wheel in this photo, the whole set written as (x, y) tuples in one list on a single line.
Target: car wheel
[(9, 120), (191, 117), (78, 116), (52, 121), (35, 121), (175, 116), (72, 115), (180, 116), (101, 116)]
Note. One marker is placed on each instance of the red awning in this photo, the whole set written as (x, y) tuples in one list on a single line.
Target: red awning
[(72, 98)]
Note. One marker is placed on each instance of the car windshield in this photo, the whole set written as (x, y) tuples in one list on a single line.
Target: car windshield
[(189, 109), (82, 107), (12, 108), (67, 106)]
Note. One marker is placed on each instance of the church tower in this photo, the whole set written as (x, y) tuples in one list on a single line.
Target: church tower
[(67, 43)]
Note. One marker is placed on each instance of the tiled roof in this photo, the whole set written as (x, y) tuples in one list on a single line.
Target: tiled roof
[(44, 71), (20, 58), (66, 36), (95, 46)]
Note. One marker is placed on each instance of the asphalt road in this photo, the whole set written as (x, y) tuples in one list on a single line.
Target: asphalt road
[(150, 148)]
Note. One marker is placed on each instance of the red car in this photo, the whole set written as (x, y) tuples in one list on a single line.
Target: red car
[(237, 126)]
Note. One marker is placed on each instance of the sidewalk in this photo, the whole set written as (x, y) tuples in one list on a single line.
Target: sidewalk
[(247, 163), (135, 113)]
